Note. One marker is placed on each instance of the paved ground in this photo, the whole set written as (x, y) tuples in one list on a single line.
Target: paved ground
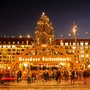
[(46, 83), (49, 85)]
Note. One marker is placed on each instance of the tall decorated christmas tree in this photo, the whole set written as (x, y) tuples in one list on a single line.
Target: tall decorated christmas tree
[(44, 32)]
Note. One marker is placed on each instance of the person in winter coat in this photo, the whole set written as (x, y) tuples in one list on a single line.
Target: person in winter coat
[(72, 77), (58, 76)]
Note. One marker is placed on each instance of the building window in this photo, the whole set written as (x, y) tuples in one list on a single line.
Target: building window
[(13, 42), (77, 44), (74, 47), (86, 43), (87, 55), (8, 46), (4, 56), (0, 46), (13, 49), (22, 42), (9, 42), (81, 51), (74, 44), (66, 43), (86, 47), (4, 46), (4, 42), (62, 44), (82, 56), (81, 43), (81, 47), (13, 46), (66, 47), (18, 42)]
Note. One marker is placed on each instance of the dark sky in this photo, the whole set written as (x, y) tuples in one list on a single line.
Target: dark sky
[(19, 17)]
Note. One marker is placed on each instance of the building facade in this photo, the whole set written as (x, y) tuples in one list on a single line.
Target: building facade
[(10, 47)]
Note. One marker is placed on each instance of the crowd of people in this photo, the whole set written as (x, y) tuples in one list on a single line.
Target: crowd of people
[(57, 75)]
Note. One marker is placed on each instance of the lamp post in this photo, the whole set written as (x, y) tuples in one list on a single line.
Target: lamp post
[(75, 33)]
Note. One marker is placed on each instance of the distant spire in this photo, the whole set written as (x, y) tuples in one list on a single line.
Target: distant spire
[(74, 23)]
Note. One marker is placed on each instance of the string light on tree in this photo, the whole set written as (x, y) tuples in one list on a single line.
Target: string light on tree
[(44, 30)]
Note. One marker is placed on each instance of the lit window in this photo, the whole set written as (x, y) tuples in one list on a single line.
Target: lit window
[(8, 46), (86, 47), (74, 47), (74, 44), (70, 43), (82, 55), (4, 46), (0, 46), (22, 46), (70, 51), (9, 42), (61, 44), (81, 43), (87, 55), (73, 51), (66, 44), (86, 43), (4, 42), (18, 42), (13, 46), (13, 42), (81, 51), (77, 44)]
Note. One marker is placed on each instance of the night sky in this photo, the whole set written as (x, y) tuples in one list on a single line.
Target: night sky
[(19, 17)]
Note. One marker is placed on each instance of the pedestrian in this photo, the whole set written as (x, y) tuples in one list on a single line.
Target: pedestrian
[(66, 75), (85, 76), (80, 74), (58, 76), (29, 77), (18, 76), (72, 77)]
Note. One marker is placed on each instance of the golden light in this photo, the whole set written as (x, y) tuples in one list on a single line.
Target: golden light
[(86, 32), (28, 36), (8, 46), (61, 41), (69, 34), (63, 64), (4, 46), (74, 29), (89, 66), (4, 35), (13, 36), (20, 36), (43, 13), (25, 64), (77, 33), (8, 67), (61, 35), (27, 42)]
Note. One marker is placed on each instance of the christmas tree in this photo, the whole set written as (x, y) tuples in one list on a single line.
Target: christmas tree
[(44, 32)]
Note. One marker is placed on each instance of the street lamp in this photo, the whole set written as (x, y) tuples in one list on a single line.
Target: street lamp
[(75, 33), (28, 36), (20, 36)]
